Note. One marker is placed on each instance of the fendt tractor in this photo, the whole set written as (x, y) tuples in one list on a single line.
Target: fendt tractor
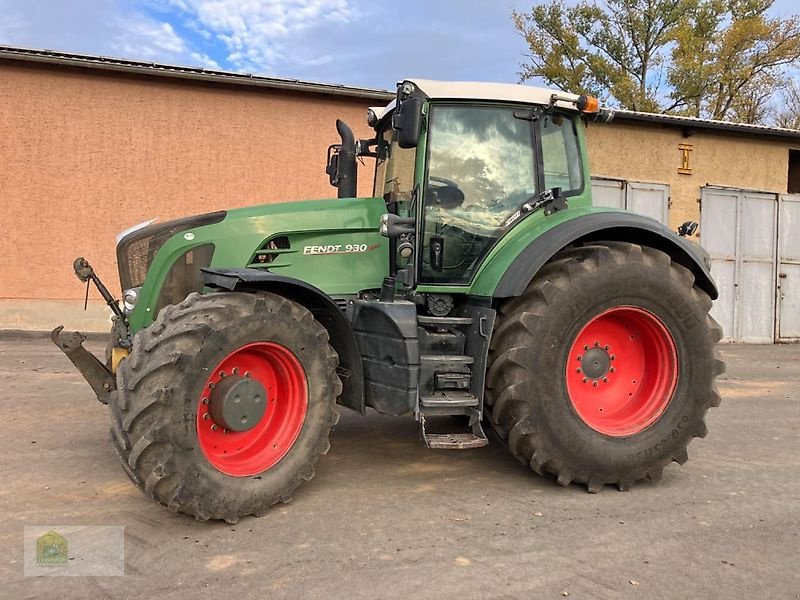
[(478, 282)]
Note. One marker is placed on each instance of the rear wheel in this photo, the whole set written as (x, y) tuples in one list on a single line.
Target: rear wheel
[(225, 404), (603, 370)]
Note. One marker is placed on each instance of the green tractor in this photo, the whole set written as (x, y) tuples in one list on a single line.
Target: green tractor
[(478, 282)]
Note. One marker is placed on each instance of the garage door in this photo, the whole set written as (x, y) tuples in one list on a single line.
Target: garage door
[(739, 230), (789, 269), (649, 199)]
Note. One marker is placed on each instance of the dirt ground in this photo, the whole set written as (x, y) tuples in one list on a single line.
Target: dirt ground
[(387, 518)]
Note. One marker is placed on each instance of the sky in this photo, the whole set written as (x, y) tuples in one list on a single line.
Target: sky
[(368, 43)]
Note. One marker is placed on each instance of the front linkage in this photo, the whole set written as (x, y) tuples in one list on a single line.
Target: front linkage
[(100, 376)]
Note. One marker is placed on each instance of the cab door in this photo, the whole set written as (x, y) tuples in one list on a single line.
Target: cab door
[(482, 166)]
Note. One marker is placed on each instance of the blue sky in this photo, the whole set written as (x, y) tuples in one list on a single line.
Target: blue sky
[(353, 42)]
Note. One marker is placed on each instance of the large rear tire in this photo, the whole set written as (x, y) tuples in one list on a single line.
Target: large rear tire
[(603, 370), (175, 422)]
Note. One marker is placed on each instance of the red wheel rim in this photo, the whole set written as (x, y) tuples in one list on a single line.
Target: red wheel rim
[(622, 369), (246, 453)]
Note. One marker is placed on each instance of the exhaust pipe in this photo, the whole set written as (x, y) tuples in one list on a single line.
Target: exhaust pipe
[(346, 169)]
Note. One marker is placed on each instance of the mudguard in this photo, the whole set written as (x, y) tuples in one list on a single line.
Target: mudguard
[(607, 226), (325, 310)]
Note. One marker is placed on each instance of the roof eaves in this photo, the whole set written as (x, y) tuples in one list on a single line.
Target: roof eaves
[(177, 71), (696, 123)]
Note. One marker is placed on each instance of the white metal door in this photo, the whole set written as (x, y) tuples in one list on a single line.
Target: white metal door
[(789, 269), (608, 192), (739, 230), (649, 199)]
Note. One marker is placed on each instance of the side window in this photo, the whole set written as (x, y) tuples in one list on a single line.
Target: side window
[(560, 155), (480, 171)]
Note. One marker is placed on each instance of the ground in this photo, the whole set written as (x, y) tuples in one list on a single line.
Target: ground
[(387, 518)]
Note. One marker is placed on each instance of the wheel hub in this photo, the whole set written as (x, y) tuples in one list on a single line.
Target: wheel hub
[(237, 403), (621, 371), (596, 363)]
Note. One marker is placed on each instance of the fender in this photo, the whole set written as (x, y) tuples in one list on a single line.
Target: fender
[(323, 307), (607, 226)]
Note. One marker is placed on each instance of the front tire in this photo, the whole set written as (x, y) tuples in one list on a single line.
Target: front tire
[(603, 370), (225, 404)]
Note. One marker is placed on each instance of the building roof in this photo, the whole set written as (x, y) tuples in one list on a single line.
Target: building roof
[(452, 90), (694, 123), (175, 71)]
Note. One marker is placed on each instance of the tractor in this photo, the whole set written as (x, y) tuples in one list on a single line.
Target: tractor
[(478, 282)]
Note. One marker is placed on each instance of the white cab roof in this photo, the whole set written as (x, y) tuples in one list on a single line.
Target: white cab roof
[(475, 90), (503, 92)]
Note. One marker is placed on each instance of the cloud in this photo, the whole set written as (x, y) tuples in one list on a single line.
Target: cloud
[(105, 27), (258, 35), (146, 38)]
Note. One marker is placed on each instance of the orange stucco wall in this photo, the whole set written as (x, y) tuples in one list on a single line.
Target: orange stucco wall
[(86, 154)]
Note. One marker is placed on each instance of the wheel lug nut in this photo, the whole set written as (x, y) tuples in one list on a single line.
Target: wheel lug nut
[(606, 347), (596, 344), (578, 370), (585, 380), (214, 428), (594, 384), (211, 385), (206, 416), (586, 347), (222, 374), (580, 358), (235, 370), (247, 373), (605, 379), (612, 369), (613, 356), (205, 400)]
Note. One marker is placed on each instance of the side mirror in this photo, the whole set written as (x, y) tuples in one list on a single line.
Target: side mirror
[(332, 167), (408, 122), (688, 229)]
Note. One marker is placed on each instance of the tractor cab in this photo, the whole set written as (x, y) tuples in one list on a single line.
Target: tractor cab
[(460, 164)]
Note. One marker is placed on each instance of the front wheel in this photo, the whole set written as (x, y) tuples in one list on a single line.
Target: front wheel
[(603, 370), (225, 404)]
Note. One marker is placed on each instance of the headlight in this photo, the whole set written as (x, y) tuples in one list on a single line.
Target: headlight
[(129, 299)]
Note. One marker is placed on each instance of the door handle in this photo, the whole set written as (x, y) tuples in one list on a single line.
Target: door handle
[(782, 275)]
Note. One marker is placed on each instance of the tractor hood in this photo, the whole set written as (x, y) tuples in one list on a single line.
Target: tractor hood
[(333, 244)]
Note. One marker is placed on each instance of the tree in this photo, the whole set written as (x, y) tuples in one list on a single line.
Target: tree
[(787, 114), (721, 59)]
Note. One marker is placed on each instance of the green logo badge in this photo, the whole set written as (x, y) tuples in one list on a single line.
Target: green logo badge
[(51, 549)]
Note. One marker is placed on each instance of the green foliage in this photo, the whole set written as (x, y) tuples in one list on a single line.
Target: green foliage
[(722, 59)]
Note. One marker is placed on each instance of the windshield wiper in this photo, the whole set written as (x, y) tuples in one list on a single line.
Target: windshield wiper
[(551, 199)]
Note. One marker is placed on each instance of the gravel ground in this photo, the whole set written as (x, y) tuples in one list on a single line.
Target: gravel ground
[(387, 518)]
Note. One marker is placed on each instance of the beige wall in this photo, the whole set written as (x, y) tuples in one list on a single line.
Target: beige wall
[(86, 154), (649, 152)]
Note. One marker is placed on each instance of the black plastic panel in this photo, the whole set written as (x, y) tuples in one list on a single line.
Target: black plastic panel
[(386, 335)]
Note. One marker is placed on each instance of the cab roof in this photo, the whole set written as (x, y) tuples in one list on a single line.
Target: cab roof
[(480, 91)]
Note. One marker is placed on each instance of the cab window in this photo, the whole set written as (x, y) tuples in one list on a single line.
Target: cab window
[(480, 171)]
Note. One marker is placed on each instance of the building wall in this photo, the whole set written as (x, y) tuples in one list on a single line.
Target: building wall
[(86, 154), (649, 152)]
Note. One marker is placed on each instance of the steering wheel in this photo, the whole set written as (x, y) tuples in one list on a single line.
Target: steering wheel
[(443, 181), (446, 195)]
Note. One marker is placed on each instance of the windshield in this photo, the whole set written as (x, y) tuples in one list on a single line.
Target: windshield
[(394, 169)]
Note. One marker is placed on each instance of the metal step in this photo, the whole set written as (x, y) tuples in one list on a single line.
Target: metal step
[(456, 441), (447, 358), (443, 321), (448, 399)]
